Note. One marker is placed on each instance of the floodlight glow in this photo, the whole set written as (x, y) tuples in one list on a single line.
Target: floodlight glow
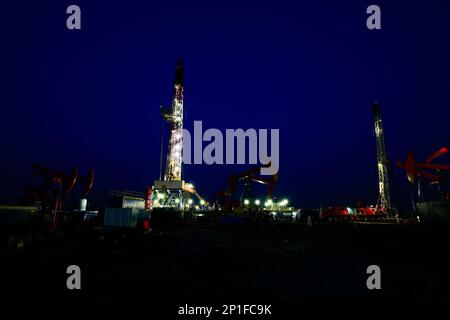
[(160, 196)]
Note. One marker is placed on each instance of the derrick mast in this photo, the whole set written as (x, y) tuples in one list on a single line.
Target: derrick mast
[(384, 199), (172, 191), (174, 116)]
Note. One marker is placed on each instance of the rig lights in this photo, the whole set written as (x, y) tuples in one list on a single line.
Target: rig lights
[(268, 203), (284, 202), (257, 202), (161, 196), (246, 202), (202, 202)]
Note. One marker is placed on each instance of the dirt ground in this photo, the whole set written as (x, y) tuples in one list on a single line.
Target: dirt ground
[(194, 262)]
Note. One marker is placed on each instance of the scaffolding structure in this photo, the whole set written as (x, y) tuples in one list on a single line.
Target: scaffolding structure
[(174, 116), (384, 200)]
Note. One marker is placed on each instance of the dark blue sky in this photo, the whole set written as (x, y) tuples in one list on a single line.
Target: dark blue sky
[(91, 98)]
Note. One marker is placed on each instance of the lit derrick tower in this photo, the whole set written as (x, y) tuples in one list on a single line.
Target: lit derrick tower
[(174, 116), (171, 191), (384, 198)]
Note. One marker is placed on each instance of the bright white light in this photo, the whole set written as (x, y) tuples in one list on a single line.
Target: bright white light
[(190, 201), (197, 207), (268, 203), (202, 202), (246, 202), (257, 202), (160, 196), (177, 201)]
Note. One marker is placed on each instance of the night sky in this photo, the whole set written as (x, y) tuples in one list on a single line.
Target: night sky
[(91, 98)]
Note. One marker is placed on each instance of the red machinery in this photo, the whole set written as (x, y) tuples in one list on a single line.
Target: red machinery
[(334, 213), (414, 168), (246, 178), (354, 214), (427, 170), (148, 198), (64, 184)]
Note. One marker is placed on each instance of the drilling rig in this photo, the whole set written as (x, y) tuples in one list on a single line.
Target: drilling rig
[(384, 199), (171, 191), (384, 205), (174, 116)]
